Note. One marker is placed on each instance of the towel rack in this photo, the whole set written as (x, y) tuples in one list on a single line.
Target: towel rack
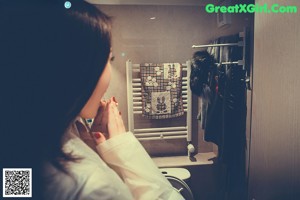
[(134, 99)]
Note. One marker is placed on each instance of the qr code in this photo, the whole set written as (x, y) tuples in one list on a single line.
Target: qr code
[(17, 182)]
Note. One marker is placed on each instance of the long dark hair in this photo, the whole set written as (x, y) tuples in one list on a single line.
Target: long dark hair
[(51, 58)]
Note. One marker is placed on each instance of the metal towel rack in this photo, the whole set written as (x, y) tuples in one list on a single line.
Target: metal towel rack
[(134, 99)]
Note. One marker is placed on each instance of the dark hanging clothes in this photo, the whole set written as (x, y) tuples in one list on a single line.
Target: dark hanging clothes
[(223, 115), (214, 122), (203, 81), (234, 141), (226, 116)]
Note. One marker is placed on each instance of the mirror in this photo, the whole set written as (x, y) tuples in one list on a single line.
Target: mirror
[(164, 32)]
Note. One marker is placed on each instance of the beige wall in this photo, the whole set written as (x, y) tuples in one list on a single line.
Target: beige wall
[(168, 38), (275, 138)]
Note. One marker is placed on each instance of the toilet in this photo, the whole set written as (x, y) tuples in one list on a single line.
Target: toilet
[(179, 177)]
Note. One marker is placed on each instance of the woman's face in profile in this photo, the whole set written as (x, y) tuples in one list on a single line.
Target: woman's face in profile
[(91, 107)]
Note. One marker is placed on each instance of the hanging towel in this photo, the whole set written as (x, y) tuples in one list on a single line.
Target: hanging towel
[(161, 90)]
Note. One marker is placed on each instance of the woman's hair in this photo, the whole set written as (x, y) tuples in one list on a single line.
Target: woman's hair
[(51, 58)]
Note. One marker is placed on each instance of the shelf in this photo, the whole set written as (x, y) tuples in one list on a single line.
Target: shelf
[(180, 161)]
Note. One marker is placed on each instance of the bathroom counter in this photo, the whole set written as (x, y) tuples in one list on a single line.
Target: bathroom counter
[(179, 161)]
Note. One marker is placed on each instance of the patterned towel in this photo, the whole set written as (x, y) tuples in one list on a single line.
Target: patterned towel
[(162, 90)]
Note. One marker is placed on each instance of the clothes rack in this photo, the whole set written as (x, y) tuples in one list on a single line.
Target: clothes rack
[(243, 43), (218, 45)]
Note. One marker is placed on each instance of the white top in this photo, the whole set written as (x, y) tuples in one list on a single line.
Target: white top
[(123, 171)]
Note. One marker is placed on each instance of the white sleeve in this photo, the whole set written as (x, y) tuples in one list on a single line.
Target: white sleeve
[(98, 186), (128, 158)]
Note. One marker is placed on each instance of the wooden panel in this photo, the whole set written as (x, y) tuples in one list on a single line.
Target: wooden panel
[(275, 138)]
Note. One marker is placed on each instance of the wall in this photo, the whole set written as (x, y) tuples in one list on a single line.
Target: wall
[(168, 38), (275, 138)]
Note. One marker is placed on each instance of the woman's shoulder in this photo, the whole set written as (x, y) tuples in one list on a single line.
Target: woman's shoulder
[(88, 177), (77, 183), (85, 180)]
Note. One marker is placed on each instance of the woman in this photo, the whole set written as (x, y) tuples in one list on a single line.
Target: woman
[(55, 68)]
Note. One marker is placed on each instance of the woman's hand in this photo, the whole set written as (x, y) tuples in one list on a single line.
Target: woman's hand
[(100, 121), (108, 122)]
